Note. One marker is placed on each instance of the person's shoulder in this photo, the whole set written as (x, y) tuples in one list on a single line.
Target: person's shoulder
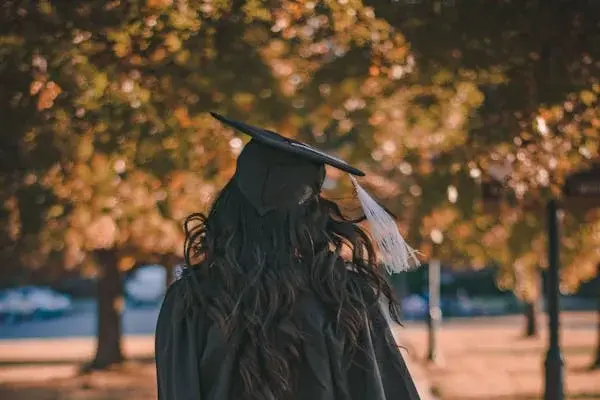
[(182, 302), (173, 297), (181, 274), (178, 271), (176, 283), (177, 298)]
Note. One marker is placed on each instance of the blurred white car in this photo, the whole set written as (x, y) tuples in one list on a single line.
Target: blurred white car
[(414, 306), (47, 302), (461, 306), (32, 302), (146, 285), (15, 305)]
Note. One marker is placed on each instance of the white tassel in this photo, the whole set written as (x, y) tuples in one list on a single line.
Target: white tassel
[(395, 253)]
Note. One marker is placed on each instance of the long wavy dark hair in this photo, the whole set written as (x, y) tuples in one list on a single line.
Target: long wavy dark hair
[(248, 273)]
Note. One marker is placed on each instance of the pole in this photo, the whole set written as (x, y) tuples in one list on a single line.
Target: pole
[(435, 314), (596, 364), (554, 388)]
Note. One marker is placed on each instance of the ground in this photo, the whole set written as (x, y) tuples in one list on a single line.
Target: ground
[(491, 360), (132, 382), (483, 359), (48, 369)]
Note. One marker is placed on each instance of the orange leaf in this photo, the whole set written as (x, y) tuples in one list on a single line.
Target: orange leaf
[(159, 3), (181, 113), (48, 95)]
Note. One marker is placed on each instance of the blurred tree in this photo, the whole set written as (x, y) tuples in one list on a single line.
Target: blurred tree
[(531, 70), (106, 116), (107, 145), (596, 363)]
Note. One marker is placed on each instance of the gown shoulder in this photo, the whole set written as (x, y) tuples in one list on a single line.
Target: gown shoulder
[(194, 361)]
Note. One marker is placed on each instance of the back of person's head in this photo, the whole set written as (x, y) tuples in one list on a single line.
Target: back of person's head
[(270, 239)]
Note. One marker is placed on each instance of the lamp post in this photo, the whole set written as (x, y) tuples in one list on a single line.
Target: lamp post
[(554, 375), (582, 190), (596, 363), (434, 315)]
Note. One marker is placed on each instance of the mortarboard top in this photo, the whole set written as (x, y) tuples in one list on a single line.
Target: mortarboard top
[(290, 146)]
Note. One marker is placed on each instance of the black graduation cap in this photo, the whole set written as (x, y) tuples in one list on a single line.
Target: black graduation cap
[(274, 172), (288, 145)]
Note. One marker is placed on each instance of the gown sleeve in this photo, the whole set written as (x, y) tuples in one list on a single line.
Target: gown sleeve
[(392, 371), (379, 371), (178, 348), (376, 372)]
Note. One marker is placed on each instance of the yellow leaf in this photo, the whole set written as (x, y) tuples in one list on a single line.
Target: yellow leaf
[(85, 148), (126, 263), (122, 48), (243, 99), (55, 211), (183, 57), (159, 54), (170, 143), (182, 116), (35, 87), (588, 97), (173, 43)]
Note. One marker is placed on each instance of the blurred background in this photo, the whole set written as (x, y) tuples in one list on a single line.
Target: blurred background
[(470, 117)]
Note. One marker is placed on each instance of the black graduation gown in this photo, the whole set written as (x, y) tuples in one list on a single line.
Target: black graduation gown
[(193, 362)]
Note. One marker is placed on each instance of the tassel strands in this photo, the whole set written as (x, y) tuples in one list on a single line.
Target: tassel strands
[(395, 253)]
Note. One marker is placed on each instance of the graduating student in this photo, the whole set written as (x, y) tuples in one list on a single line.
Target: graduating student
[(267, 306)]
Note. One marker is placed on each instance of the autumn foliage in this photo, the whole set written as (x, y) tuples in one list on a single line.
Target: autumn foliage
[(106, 144)]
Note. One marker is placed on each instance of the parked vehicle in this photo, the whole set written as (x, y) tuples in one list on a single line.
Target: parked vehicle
[(47, 302), (146, 285), (414, 307), (27, 302)]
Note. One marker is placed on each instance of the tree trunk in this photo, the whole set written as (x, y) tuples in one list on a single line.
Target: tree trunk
[(532, 308), (109, 307), (170, 274), (596, 364), (169, 262), (531, 321)]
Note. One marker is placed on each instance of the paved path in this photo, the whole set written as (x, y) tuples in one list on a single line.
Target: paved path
[(24, 360), (487, 351), (419, 375), (492, 361)]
